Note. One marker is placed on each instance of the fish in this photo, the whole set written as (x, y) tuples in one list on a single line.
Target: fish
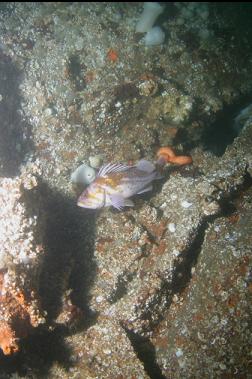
[(115, 183)]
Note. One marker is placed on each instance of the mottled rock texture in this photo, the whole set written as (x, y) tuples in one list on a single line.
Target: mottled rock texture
[(161, 290)]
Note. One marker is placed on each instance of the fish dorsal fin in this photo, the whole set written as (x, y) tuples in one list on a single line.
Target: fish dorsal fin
[(111, 168), (145, 165)]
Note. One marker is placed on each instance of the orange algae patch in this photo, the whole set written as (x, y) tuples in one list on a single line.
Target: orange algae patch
[(112, 55), (17, 319), (16, 324), (7, 339), (169, 155), (181, 159), (166, 151)]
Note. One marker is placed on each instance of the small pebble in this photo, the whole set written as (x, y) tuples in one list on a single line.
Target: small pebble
[(186, 204), (179, 353), (99, 299), (95, 161), (107, 351), (172, 227), (48, 112)]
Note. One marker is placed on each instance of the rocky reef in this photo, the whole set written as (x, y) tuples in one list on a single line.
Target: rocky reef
[(21, 258), (160, 290)]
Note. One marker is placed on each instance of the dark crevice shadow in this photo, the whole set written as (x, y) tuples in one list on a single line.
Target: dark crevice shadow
[(217, 131), (218, 135), (15, 141), (37, 354), (145, 352), (67, 265)]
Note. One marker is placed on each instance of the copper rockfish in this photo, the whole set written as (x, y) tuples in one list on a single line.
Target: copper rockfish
[(115, 183)]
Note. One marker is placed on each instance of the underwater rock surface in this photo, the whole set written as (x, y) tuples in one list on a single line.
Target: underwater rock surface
[(207, 331), (159, 290), (20, 259)]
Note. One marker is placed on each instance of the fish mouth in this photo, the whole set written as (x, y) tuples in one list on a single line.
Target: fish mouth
[(82, 204)]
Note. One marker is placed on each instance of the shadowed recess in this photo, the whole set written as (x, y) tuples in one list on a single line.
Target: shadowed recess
[(222, 132), (37, 354), (67, 234), (145, 352), (68, 263), (15, 132)]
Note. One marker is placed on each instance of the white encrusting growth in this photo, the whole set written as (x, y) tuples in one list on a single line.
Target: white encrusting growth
[(150, 13), (84, 174), (155, 35)]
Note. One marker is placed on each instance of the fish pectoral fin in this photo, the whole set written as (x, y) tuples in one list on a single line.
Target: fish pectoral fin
[(128, 203), (104, 198), (146, 189), (119, 202)]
